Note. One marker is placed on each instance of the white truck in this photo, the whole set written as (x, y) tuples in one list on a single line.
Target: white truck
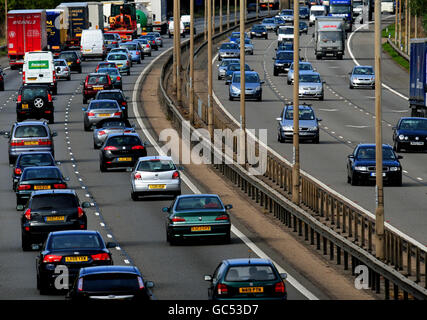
[(329, 34), (156, 11), (96, 16)]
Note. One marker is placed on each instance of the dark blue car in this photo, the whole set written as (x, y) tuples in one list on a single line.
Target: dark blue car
[(282, 61), (410, 133), (361, 165), (231, 68)]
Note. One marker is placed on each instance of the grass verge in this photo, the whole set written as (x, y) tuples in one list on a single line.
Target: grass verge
[(389, 49)]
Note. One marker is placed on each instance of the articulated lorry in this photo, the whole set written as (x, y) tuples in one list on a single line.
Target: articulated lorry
[(78, 20), (57, 30), (329, 37), (96, 15), (26, 31), (418, 78), (342, 9)]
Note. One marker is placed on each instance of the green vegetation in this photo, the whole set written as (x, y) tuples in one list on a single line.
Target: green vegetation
[(395, 56)]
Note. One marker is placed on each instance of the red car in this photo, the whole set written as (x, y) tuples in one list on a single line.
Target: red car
[(95, 82), (105, 64)]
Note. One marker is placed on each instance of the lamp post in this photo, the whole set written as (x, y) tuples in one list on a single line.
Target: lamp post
[(296, 157), (191, 61), (210, 102), (242, 139)]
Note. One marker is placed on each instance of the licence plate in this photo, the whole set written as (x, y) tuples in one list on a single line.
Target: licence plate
[(120, 65), (88, 50), (32, 78), (374, 174), (41, 187), (201, 228), (417, 143), (124, 159), (98, 88), (54, 218), (156, 186), (69, 63), (103, 114), (76, 259), (25, 106), (251, 290), (31, 143)]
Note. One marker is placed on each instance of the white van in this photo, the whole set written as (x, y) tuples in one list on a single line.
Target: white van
[(92, 44), (39, 68), (387, 6), (316, 11), (172, 29)]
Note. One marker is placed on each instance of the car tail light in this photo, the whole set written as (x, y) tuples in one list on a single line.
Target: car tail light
[(114, 42), (18, 171), (127, 131), (127, 62), (175, 175), (147, 45), (78, 61), (223, 217), (80, 284), (279, 287), (24, 187), (91, 114), (137, 53), (101, 133), (222, 289), (54, 75), (49, 97), (87, 78), (51, 258), (66, 69), (23, 76), (178, 219), (118, 78), (81, 48), (18, 143), (124, 103), (59, 186), (109, 148), (137, 176), (44, 142), (80, 212), (138, 148), (27, 214), (141, 283), (19, 98), (109, 80), (101, 257), (118, 113)]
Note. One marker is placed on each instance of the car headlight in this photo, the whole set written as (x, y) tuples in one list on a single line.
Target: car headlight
[(233, 88), (360, 168), (258, 88), (394, 168), (313, 129), (287, 128), (401, 137)]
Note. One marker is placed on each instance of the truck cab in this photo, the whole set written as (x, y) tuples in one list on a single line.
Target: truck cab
[(329, 34)]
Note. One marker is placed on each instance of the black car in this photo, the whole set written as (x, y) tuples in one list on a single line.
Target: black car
[(258, 31), (152, 40), (282, 62), (74, 250), (30, 159), (410, 133), (303, 27), (2, 74), (115, 94), (73, 60), (48, 211), (361, 165), (38, 178), (110, 283), (121, 150), (35, 101)]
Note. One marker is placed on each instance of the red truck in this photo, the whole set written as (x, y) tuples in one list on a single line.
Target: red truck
[(26, 32)]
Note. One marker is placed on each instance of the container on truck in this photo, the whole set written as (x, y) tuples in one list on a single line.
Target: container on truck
[(122, 20), (158, 9), (96, 15), (56, 29), (342, 9), (39, 68), (329, 37), (316, 11), (78, 21), (418, 78), (26, 31)]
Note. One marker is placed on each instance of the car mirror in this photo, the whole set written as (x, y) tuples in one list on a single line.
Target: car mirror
[(111, 245), (399, 157), (284, 276), (123, 108), (318, 119), (86, 204), (20, 72), (302, 59), (274, 58), (351, 156), (323, 81), (54, 134), (165, 209), (20, 207), (58, 163), (229, 206), (84, 109), (147, 144), (180, 168), (279, 119), (208, 278), (128, 169), (66, 178), (54, 98), (82, 82), (149, 284), (227, 82), (5, 134), (394, 128)]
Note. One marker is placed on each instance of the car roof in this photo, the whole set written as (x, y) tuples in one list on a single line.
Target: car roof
[(108, 68), (197, 195), (53, 191), (109, 269), (34, 152), (41, 168), (385, 145), (73, 232), (309, 72), (111, 90), (155, 158), (133, 134), (96, 74), (102, 100), (246, 72), (412, 118), (247, 261), (32, 122)]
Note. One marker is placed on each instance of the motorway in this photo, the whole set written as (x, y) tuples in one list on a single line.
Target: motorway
[(348, 119), (137, 227)]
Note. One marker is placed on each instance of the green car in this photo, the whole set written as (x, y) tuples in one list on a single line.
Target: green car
[(196, 217), (247, 279)]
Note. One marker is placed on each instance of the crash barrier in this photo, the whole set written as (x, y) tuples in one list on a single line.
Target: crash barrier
[(325, 219)]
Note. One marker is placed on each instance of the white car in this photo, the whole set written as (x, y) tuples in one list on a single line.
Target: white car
[(155, 175), (286, 33)]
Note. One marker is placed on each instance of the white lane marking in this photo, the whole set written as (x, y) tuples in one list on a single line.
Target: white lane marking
[(328, 110), (356, 127), (292, 281), (400, 111)]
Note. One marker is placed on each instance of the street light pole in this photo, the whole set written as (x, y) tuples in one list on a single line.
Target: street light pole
[(400, 24), (396, 25), (242, 139), (256, 8), (191, 61), (220, 16), (178, 55), (379, 212), (406, 27), (296, 156), (213, 17), (210, 106), (228, 14), (235, 12), (206, 19), (174, 75)]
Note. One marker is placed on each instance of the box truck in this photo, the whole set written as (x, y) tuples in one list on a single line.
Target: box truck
[(329, 37), (78, 21), (57, 30), (96, 15), (418, 78)]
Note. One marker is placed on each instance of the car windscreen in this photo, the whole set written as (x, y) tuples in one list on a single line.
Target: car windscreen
[(30, 160), (235, 35), (330, 36), (368, 153), (286, 30), (69, 56), (101, 79), (41, 173), (60, 63), (236, 67), (109, 96), (110, 282), (30, 131), (317, 13), (117, 57), (287, 12), (250, 273), (103, 105), (363, 71), (249, 78), (312, 78), (155, 165), (303, 67), (198, 202), (107, 65), (339, 8), (286, 47), (413, 124), (129, 46), (53, 201), (31, 93), (285, 56), (268, 21), (109, 36), (304, 114), (229, 46), (303, 10), (71, 241), (120, 141), (110, 71), (112, 123), (258, 29)]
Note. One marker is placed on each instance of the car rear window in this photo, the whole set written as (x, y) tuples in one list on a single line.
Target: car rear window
[(250, 273), (129, 46), (69, 56), (117, 57), (202, 202), (110, 95), (123, 141), (103, 105), (155, 165), (29, 160), (110, 71), (60, 63), (101, 79), (109, 36), (32, 93), (30, 131), (41, 173), (70, 241), (112, 124), (53, 201), (110, 282)]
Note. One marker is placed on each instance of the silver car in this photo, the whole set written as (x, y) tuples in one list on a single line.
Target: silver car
[(99, 110), (249, 47), (123, 50), (62, 70), (155, 175), (107, 126), (122, 61), (362, 76), (310, 85), (222, 67), (145, 45), (303, 66)]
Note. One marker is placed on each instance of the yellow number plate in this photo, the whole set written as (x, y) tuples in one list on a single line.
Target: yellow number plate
[(32, 78), (251, 290), (31, 143), (98, 88), (125, 159), (202, 228), (120, 65), (88, 50), (103, 114), (76, 259), (41, 187), (156, 186), (55, 218), (69, 63), (25, 106)]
